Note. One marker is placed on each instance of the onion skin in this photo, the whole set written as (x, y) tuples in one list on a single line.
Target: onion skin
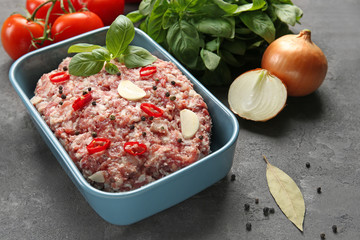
[(297, 61)]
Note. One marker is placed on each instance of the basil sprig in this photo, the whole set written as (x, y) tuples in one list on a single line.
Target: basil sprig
[(90, 59), (216, 39)]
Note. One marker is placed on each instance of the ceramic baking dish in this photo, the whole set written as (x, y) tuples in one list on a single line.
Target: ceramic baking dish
[(129, 207)]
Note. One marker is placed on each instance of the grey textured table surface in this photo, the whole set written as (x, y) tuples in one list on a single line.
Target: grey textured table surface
[(38, 200)]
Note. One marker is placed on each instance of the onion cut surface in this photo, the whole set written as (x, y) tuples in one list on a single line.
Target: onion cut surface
[(257, 95)]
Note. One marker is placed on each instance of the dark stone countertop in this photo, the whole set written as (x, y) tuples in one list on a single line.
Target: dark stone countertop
[(38, 200)]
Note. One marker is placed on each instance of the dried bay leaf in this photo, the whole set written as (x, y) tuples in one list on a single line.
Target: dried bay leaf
[(286, 194)]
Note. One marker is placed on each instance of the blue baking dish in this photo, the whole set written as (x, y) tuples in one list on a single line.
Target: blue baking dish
[(128, 207)]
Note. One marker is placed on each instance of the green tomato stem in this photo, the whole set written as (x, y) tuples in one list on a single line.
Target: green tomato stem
[(32, 17)]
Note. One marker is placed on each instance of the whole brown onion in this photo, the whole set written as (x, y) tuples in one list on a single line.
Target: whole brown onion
[(297, 61)]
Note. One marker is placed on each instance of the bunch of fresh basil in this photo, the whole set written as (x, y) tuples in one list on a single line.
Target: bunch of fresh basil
[(90, 59), (216, 39)]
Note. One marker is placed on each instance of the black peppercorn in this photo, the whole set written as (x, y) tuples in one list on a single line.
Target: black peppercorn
[(173, 82), (63, 96), (143, 118), (112, 117), (179, 140), (151, 118), (132, 127), (308, 165), (60, 87), (89, 89), (144, 134), (154, 87), (318, 190), (232, 178), (60, 91), (172, 98), (77, 132), (272, 210), (256, 201), (85, 92), (118, 74), (322, 235), (266, 211), (248, 226), (167, 94), (65, 68), (94, 134), (246, 207), (201, 137), (93, 103), (61, 103), (334, 228)]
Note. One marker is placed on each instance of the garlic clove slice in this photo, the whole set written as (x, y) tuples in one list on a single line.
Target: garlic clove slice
[(98, 177), (130, 91), (189, 122), (257, 95)]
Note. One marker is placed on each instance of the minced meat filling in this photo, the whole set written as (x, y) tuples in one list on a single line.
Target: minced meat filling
[(120, 144)]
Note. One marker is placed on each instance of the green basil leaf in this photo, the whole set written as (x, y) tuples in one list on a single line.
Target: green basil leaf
[(135, 16), (101, 54), (260, 23), (143, 24), (184, 42), (210, 59), (82, 47), (218, 27), (119, 35), (282, 2), (227, 7), (111, 68), (287, 13), (191, 5), (281, 29), (237, 9), (145, 7), (243, 31), (237, 47), (170, 18), (271, 12), (135, 57), (210, 9), (85, 64), (154, 27), (213, 45)]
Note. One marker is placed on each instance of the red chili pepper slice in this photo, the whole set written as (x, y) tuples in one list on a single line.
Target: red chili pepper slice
[(147, 71), (59, 77), (98, 145), (151, 110), (135, 148), (82, 101)]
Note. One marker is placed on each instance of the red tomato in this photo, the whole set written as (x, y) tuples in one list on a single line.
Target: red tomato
[(17, 34), (72, 24), (107, 10), (31, 5)]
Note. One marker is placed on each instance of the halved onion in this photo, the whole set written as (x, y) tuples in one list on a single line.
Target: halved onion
[(257, 95)]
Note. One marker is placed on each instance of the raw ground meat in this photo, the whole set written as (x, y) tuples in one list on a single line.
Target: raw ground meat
[(110, 116)]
